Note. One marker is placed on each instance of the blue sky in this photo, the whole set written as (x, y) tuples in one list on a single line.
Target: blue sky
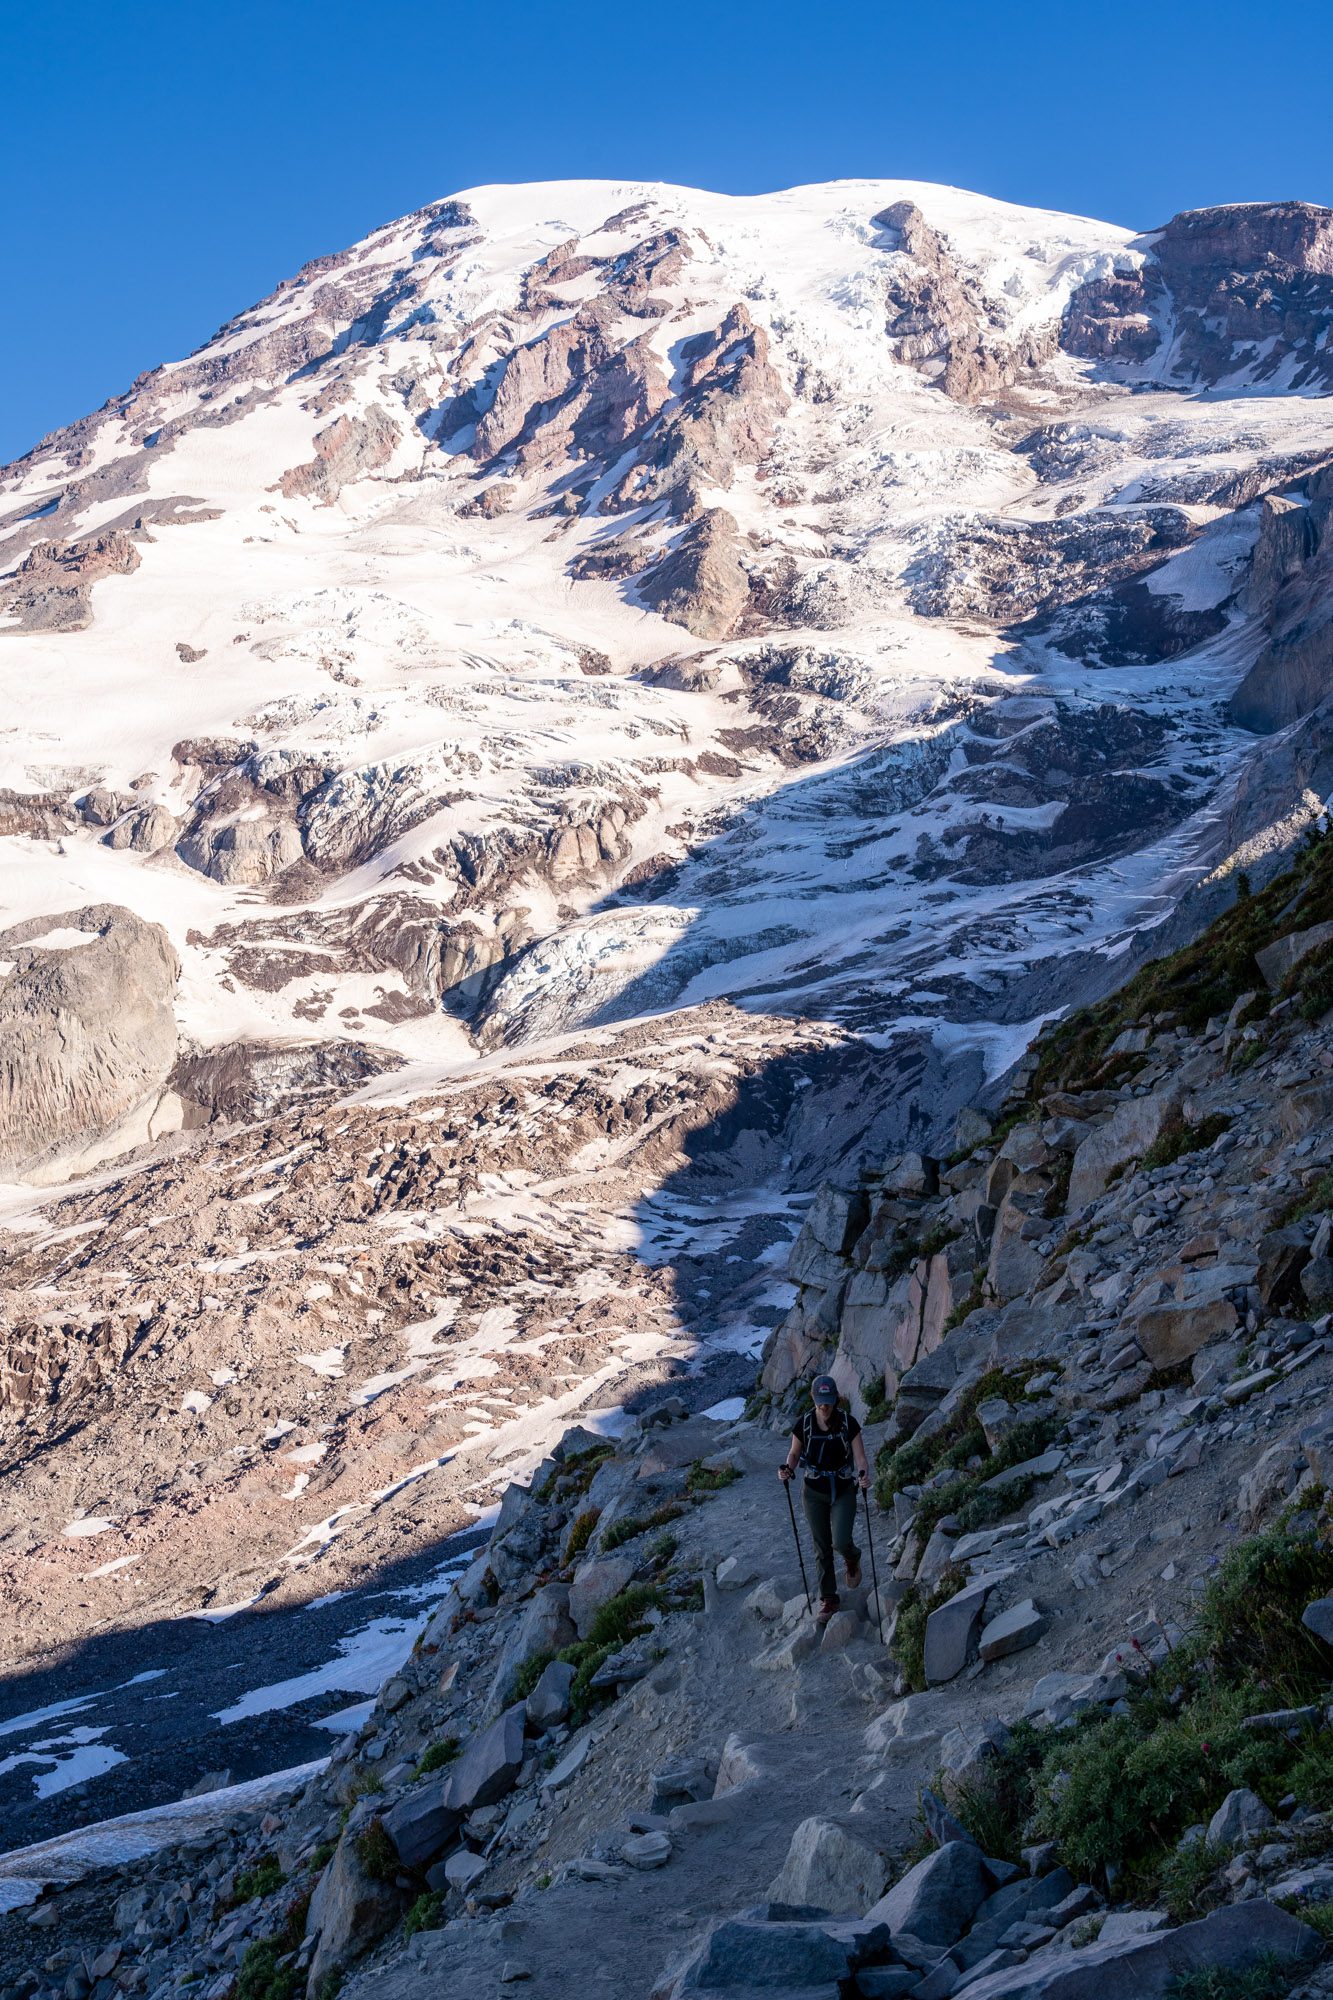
[(162, 166)]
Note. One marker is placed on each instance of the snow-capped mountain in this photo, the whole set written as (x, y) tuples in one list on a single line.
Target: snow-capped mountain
[(599, 687)]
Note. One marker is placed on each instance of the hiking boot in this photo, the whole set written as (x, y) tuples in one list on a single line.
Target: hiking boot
[(853, 1565), (827, 1607)]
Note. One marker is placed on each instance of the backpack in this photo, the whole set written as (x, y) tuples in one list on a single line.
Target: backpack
[(827, 1454)]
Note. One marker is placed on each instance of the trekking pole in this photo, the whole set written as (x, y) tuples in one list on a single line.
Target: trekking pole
[(786, 1484), (870, 1544)]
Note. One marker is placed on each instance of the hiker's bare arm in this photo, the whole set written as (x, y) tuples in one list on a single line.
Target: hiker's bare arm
[(859, 1458), (786, 1469)]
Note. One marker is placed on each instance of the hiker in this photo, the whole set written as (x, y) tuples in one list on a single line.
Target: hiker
[(827, 1442)]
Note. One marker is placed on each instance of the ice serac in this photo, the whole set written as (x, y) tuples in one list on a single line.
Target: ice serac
[(87, 1036)]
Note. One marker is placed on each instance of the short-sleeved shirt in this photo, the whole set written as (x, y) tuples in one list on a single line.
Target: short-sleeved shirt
[(828, 1452)]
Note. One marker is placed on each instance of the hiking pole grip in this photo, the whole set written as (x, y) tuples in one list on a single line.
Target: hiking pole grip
[(786, 1486)]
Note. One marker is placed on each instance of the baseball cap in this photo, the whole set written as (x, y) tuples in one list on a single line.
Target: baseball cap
[(824, 1389)]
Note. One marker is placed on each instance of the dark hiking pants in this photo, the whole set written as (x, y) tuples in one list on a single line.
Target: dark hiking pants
[(832, 1517)]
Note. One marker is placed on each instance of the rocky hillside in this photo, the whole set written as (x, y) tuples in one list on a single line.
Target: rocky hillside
[(1071, 1734)]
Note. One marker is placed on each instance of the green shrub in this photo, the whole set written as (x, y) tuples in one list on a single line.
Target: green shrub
[(268, 1969), (1179, 1137), (376, 1851), (875, 1396), (530, 1672), (426, 1914), (621, 1618), (575, 1474), (628, 1526), (1319, 1916), (262, 1977), (914, 1248), (1187, 1883), (699, 1479), (1118, 1790), (911, 1463), (1313, 1200), (909, 1632), (581, 1533), (1271, 1979), (261, 1879), (1248, 1624), (436, 1755), (996, 1802), (1311, 982)]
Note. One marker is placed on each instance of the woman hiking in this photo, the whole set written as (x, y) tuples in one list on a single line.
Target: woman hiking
[(827, 1442)]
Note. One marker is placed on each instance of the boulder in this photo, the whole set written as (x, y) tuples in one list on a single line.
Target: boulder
[(836, 1218), (422, 1823), (830, 1868), (951, 1633), (1131, 1129), (997, 1418), (1236, 1937), (348, 1912), (1318, 1618), (1283, 1255), (595, 1583), (936, 1900), (463, 1869), (548, 1703), (1276, 960), (1240, 1814), (489, 1763), (647, 1850), (1317, 1449), (1170, 1334), (1012, 1631), (1266, 1483), (746, 1955), (913, 1174), (545, 1627), (1308, 1110)]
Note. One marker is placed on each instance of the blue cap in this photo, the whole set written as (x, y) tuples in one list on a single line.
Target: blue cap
[(824, 1389)]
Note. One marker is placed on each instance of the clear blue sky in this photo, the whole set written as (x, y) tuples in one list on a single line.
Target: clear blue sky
[(163, 165)]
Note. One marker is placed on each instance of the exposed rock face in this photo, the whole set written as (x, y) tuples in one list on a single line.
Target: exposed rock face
[(702, 584), (53, 587), (348, 449), (1292, 584), (87, 1032), (1247, 290), (938, 318)]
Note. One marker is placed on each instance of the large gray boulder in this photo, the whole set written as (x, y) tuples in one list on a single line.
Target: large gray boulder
[(1240, 1814), (829, 1868), (491, 1762), (746, 1956), (595, 1583), (548, 1703), (422, 1823), (1237, 1937), (1127, 1134), (951, 1633), (87, 1039), (349, 1911), (545, 1627), (936, 1900)]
